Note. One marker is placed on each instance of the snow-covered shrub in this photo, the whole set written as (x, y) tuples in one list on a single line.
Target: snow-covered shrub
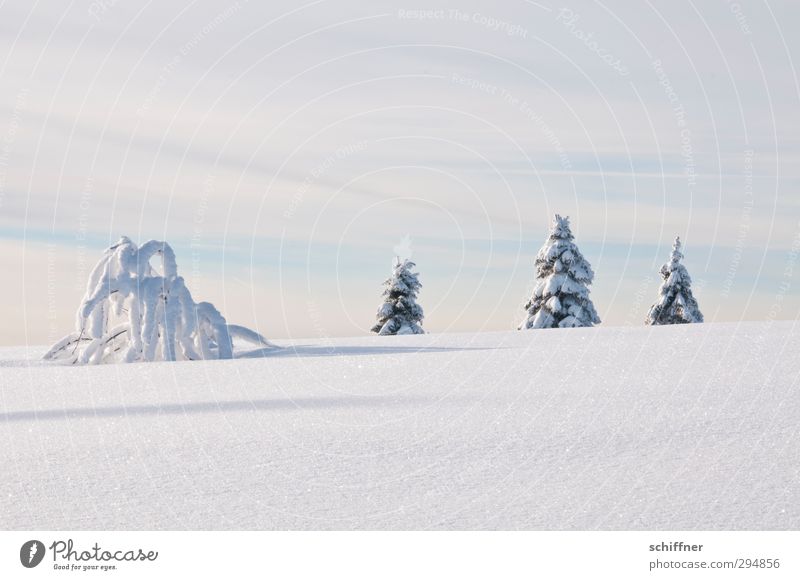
[(676, 304), (561, 296), (400, 313), (131, 312)]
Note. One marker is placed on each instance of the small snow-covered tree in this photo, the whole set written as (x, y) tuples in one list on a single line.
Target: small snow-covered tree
[(400, 313), (561, 295), (676, 304), (131, 312)]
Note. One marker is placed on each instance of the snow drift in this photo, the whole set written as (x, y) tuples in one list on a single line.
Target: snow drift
[(690, 426)]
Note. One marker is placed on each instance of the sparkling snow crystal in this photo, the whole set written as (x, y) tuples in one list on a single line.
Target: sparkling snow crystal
[(676, 304), (561, 296), (131, 313)]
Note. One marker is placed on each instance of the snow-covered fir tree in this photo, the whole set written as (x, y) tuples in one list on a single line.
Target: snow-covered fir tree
[(561, 296), (676, 304), (400, 313)]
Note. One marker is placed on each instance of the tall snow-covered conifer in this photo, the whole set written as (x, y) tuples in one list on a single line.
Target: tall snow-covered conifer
[(676, 304), (400, 313), (561, 296)]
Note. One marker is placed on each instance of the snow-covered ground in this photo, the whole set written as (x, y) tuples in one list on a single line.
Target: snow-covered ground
[(690, 427)]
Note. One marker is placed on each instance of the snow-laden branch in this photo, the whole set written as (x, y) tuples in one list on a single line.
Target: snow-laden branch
[(131, 312)]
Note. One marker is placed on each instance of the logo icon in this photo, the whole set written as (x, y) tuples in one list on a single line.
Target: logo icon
[(31, 553)]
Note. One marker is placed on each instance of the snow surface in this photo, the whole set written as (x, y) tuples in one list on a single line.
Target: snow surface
[(678, 427)]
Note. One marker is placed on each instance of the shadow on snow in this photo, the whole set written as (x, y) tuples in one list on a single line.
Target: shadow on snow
[(304, 350), (253, 405)]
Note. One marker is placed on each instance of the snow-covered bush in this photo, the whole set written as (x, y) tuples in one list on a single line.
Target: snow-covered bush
[(561, 296), (676, 304), (131, 312), (400, 313)]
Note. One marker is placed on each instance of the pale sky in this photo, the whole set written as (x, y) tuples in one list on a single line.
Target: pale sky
[(287, 151)]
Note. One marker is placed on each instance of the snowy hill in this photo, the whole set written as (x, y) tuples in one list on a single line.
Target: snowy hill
[(682, 427)]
